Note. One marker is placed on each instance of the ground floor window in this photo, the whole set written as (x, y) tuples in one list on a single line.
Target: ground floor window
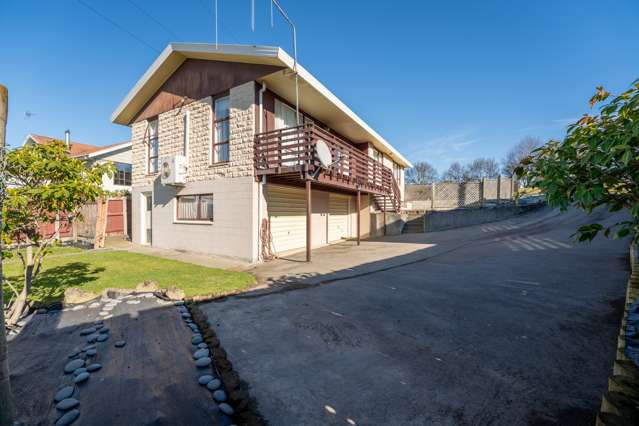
[(195, 207)]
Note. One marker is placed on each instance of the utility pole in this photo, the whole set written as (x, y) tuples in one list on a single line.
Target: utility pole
[(6, 402)]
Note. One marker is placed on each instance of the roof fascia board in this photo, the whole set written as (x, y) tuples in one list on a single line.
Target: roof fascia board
[(109, 149)]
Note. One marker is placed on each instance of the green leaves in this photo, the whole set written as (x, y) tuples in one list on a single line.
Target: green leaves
[(45, 182), (596, 163)]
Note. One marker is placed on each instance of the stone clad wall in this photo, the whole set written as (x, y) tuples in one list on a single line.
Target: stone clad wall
[(171, 128)]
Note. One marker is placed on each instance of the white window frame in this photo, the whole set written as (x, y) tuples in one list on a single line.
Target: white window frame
[(187, 136), (153, 135), (212, 157)]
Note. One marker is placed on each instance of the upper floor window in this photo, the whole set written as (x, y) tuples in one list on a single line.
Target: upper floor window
[(122, 175), (285, 116), (222, 132), (377, 156), (397, 172), (153, 148)]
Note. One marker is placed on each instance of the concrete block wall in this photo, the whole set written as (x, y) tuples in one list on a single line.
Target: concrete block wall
[(200, 115), (234, 229)]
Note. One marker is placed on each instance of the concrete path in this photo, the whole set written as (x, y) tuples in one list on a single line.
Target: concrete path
[(505, 324)]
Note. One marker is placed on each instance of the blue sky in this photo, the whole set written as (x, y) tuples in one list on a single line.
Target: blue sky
[(443, 81)]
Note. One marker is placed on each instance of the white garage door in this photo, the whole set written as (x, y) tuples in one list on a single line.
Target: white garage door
[(337, 217), (287, 216)]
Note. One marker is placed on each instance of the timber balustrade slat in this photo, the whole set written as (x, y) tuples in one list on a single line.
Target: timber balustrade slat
[(293, 148)]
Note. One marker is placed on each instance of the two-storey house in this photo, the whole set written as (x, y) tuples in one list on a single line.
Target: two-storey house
[(226, 162)]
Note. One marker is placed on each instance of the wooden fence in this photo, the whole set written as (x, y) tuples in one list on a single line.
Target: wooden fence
[(106, 218)]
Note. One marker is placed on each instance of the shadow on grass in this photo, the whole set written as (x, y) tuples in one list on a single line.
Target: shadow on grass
[(50, 285)]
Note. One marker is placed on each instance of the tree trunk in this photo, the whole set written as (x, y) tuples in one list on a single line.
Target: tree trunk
[(21, 302), (6, 400)]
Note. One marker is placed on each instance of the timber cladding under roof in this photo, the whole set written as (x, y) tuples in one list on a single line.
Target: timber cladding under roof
[(198, 78)]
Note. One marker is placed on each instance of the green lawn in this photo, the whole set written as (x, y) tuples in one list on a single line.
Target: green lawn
[(96, 270)]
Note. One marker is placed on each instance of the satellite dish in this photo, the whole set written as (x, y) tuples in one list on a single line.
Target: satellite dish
[(323, 153)]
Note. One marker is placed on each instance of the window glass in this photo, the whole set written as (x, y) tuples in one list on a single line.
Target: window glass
[(222, 130), (222, 108), (153, 148), (195, 207), (206, 207), (122, 175)]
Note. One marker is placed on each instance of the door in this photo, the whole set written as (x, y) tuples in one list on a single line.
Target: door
[(286, 117), (287, 217), (338, 217), (319, 219), (147, 218)]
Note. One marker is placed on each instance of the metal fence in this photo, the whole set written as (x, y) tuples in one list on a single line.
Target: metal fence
[(453, 195)]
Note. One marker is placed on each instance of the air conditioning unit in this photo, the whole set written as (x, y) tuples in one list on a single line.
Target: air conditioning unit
[(173, 170)]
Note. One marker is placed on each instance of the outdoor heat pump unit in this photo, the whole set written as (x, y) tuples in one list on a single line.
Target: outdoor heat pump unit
[(173, 170)]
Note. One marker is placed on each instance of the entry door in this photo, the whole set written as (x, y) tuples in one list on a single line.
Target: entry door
[(147, 218), (286, 117)]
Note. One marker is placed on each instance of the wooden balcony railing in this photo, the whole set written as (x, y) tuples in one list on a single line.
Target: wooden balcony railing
[(292, 150)]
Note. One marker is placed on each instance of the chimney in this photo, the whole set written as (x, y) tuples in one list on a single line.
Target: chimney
[(67, 138)]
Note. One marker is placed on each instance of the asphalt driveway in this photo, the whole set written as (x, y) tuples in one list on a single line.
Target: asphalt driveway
[(505, 323)]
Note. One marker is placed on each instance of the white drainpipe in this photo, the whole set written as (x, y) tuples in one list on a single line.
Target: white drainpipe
[(260, 184)]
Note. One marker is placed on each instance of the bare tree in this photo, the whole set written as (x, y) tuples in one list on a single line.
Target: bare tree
[(518, 153), (482, 168), (421, 173), (6, 401), (455, 173)]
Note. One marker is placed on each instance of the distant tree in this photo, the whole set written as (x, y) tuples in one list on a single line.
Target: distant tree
[(455, 173), (517, 153), (43, 182), (481, 168), (421, 173), (596, 164)]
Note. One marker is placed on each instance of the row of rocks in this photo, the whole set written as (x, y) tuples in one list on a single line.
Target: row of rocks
[(82, 364), (202, 358)]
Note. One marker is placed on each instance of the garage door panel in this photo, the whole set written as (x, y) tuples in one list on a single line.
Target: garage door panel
[(287, 217), (338, 217)]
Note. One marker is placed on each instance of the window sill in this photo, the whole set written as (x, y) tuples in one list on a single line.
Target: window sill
[(192, 222), (219, 164)]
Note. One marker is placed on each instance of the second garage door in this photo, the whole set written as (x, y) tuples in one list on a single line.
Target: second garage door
[(337, 217)]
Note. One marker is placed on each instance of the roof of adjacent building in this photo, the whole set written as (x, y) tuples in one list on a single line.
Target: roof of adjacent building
[(77, 149), (314, 97)]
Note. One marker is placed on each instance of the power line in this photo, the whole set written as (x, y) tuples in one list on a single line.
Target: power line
[(148, 15), (208, 8), (115, 24)]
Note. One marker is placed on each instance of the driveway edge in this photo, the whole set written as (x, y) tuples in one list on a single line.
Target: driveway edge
[(619, 404)]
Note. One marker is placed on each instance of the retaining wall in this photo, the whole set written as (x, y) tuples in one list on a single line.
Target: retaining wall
[(620, 404), (458, 218)]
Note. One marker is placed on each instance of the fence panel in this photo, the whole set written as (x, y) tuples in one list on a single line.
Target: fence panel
[(86, 226), (453, 195)]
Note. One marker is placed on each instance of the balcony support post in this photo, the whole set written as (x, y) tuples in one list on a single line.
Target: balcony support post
[(308, 219), (384, 217), (359, 214)]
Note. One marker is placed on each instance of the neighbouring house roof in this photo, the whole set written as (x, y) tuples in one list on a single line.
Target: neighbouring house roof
[(314, 97), (77, 149)]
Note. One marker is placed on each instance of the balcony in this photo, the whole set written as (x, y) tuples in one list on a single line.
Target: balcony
[(290, 154)]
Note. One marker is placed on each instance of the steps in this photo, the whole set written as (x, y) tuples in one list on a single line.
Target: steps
[(384, 203)]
